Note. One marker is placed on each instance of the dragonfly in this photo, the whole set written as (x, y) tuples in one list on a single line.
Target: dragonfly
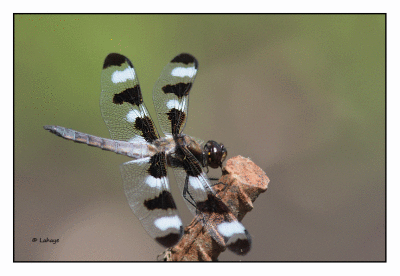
[(145, 179)]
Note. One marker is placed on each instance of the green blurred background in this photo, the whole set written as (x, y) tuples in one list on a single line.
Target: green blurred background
[(302, 95)]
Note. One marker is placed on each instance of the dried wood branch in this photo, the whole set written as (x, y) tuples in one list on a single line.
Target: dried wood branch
[(241, 183)]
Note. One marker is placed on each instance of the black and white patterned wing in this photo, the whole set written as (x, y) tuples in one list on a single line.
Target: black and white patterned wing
[(147, 190), (171, 93), (145, 180), (201, 200), (121, 102)]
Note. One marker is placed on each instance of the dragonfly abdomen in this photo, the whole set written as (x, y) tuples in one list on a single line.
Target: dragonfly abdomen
[(135, 151)]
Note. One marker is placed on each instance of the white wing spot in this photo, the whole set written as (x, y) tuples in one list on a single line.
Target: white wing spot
[(196, 186), (132, 115), (180, 105), (195, 183), (137, 139), (139, 161), (173, 104), (183, 72), (228, 229), (165, 223), (123, 76), (153, 181)]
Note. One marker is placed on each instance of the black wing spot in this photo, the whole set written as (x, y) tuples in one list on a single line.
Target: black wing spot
[(158, 165), (189, 163), (170, 239), (177, 118), (164, 201), (145, 125), (213, 205), (186, 59), (131, 95), (180, 89), (241, 246), (115, 59)]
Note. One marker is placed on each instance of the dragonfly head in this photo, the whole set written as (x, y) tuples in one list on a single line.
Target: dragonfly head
[(215, 154)]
